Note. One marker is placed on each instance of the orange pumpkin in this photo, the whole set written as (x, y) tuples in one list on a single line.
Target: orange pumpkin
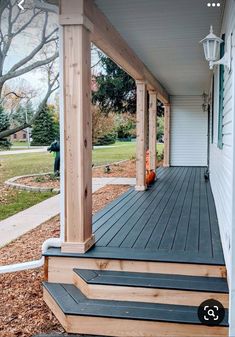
[(147, 178), (150, 177), (153, 176)]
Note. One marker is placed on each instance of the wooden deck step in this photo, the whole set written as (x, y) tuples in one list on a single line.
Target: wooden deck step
[(78, 314), (150, 287)]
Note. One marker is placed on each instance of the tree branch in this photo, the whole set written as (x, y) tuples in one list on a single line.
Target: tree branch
[(28, 68), (23, 126), (7, 133), (15, 94), (44, 41)]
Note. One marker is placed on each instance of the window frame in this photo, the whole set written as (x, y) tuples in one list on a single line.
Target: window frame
[(221, 97)]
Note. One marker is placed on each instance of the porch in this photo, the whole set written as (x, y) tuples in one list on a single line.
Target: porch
[(173, 221), (157, 257), (145, 263)]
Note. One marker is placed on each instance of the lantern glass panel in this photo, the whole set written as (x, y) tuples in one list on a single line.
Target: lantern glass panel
[(205, 49), (211, 50)]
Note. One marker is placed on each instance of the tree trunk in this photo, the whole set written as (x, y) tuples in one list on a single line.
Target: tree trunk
[(7, 133)]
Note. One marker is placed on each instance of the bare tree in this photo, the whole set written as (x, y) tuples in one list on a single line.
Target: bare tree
[(15, 23), (52, 86), (18, 92)]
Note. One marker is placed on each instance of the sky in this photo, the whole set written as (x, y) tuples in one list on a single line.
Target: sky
[(23, 44)]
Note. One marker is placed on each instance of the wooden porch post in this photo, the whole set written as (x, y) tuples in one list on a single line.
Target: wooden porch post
[(152, 129), (77, 127), (141, 134), (166, 161)]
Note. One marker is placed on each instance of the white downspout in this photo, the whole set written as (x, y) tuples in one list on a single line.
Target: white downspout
[(52, 242)]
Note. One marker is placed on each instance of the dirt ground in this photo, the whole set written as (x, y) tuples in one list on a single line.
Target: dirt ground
[(22, 310)]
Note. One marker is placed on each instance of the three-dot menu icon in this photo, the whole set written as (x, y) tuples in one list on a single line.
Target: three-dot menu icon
[(213, 4)]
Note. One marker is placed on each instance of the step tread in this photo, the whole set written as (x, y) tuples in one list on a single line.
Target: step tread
[(150, 280), (72, 302)]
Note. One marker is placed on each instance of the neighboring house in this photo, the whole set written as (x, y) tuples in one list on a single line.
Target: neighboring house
[(20, 136), (152, 256)]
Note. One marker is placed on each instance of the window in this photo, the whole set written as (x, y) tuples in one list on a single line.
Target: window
[(221, 98), (15, 136), (24, 136)]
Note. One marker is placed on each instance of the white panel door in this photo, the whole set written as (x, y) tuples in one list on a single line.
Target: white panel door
[(188, 132)]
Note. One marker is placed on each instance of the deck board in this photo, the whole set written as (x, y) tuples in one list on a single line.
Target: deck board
[(124, 222), (175, 217), (144, 225), (172, 225)]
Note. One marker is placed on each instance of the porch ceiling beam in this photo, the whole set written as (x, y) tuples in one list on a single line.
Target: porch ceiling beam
[(107, 38)]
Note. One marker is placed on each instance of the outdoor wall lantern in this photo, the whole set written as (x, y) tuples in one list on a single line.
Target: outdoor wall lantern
[(211, 44)]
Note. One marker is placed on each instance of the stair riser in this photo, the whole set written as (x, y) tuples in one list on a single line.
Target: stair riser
[(126, 327), (166, 296), (60, 269)]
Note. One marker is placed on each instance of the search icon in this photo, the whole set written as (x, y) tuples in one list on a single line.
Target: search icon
[(211, 312)]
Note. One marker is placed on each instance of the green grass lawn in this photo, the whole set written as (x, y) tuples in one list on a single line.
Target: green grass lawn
[(117, 152), (17, 143), (23, 164)]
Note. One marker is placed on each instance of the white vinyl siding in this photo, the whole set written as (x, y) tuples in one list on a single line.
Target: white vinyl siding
[(188, 132), (221, 160), (222, 163)]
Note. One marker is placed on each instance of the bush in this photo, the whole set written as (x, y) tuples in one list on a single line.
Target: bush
[(44, 131), (125, 126), (160, 128), (4, 125), (103, 127), (107, 139)]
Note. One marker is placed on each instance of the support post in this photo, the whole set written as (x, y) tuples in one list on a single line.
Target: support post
[(153, 129), (141, 134), (166, 161), (77, 127)]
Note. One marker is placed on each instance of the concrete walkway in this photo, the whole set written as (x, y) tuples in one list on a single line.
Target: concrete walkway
[(7, 153), (25, 149), (22, 222)]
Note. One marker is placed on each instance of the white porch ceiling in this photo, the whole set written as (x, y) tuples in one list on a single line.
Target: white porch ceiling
[(165, 34)]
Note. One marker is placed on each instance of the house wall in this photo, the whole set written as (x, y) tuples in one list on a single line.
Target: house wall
[(221, 160), (20, 135), (188, 132)]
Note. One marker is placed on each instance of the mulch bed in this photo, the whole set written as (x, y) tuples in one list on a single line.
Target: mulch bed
[(22, 310), (47, 180), (123, 169)]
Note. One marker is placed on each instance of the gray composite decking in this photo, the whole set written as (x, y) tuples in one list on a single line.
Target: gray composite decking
[(73, 302), (153, 280), (174, 220)]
